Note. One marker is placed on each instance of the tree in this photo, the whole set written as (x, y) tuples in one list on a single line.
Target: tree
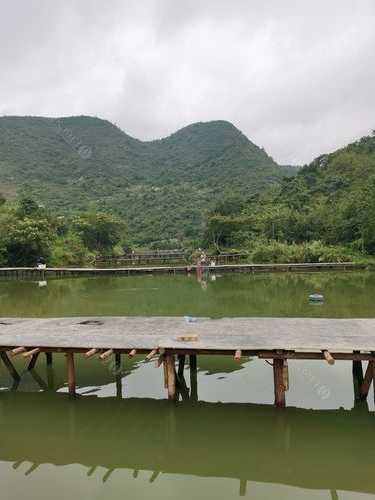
[(99, 231)]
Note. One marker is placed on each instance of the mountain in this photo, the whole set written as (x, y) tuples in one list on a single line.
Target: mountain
[(162, 187)]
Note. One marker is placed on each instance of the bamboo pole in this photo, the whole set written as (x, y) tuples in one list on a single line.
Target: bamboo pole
[(328, 357), (29, 354), (106, 354), (17, 351), (151, 354), (90, 353), (132, 353)]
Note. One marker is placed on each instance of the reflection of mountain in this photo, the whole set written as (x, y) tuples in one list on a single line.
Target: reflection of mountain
[(305, 448)]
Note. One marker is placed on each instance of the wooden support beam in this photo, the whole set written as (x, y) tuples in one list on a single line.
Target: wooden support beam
[(71, 373), (90, 353), (49, 358), (170, 362), (17, 351), (181, 364), (132, 353), (9, 366), (328, 357), (193, 377), (29, 354), (278, 380), (33, 361), (118, 375), (357, 372), (106, 354), (365, 387), (165, 371), (286, 375), (238, 355), (151, 354)]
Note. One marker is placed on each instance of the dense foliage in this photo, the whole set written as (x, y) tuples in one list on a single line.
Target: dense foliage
[(28, 232), (160, 187), (326, 212)]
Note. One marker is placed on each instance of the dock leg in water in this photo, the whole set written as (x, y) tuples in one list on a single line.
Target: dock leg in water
[(193, 378), (170, 363), (118, 375), (278, 379), (49, 358), (71, 373), (7, 362), (357, 372), (366, 384)]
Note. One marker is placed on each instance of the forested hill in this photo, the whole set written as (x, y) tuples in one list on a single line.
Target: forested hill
[(332, 201), (161, 187)]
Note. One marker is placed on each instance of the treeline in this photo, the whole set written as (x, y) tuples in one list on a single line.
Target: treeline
[(29, 232), (326, 212)]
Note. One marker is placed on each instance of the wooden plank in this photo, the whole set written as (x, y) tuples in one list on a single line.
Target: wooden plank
[(224, 335)]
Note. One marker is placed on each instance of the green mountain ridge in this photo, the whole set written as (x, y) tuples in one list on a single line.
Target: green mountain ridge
[(161, 187)]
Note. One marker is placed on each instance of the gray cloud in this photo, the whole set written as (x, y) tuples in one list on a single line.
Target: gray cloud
[(297, 77)]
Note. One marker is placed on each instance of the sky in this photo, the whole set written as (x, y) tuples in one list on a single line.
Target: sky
[(296, 76)]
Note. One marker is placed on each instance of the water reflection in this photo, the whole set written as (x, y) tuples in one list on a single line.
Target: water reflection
[(311, 449)]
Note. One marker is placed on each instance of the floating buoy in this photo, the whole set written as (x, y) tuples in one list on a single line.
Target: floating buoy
[(316, 297)]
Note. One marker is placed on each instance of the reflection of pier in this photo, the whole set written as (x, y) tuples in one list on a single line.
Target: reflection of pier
[(173, 339), (315, 449)]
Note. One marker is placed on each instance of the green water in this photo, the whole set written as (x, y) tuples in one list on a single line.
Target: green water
[(129, 442)]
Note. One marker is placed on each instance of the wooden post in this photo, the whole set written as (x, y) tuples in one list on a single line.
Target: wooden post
[(193, 377), (170, 361), (33, 361), (181, 365), (49, 358), (365, 387), (278, 380), (71, 373), (357, 373), (13, 372), (118, 375)]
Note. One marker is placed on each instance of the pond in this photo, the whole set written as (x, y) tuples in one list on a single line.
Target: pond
[(230, 443)]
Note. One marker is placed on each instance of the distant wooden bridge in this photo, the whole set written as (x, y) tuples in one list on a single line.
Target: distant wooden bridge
[(60, 272), (172, 339)]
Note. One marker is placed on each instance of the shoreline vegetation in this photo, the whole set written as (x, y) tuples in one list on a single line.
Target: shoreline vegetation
[(29, 232)]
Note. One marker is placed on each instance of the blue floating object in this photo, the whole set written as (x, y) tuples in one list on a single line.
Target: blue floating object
[(316, 297), (190, 319)]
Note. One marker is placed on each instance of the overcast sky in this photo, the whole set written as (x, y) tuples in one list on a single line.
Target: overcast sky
[(296, 76)]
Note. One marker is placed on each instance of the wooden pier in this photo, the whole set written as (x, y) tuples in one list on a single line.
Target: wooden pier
[(170, 340), (62, 272)]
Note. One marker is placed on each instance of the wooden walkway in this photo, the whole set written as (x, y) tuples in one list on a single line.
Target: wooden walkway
[(34, 272), (168, 338)]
